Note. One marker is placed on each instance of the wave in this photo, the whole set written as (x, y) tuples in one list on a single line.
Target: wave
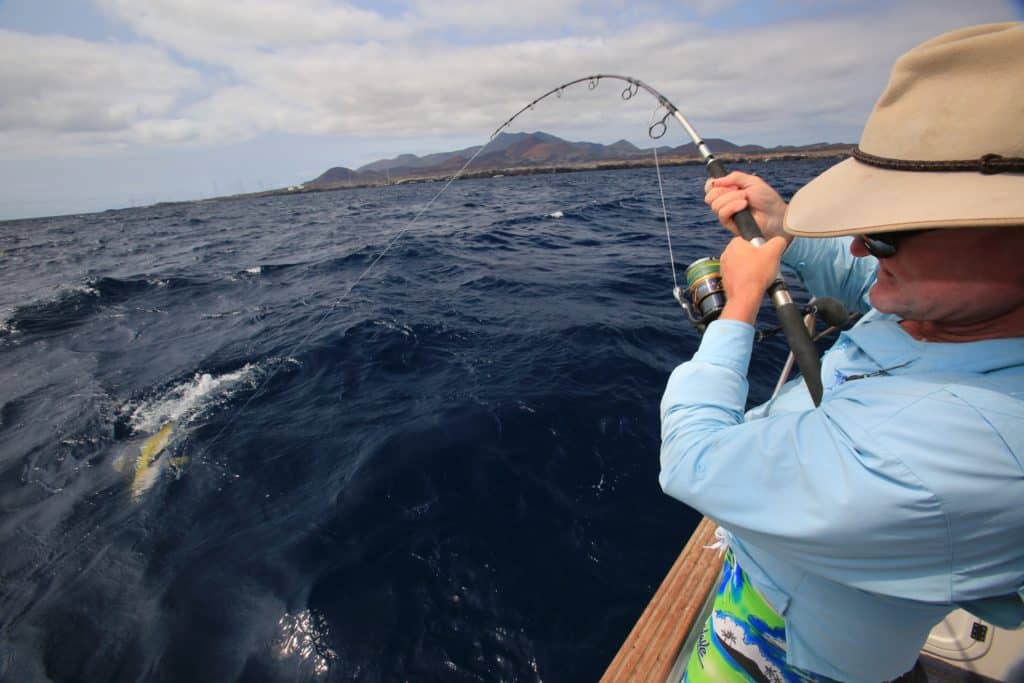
[(489, 239), (267, 269), (502, 286), (584, 212), (361, 257), (70, 305), (521, 220), (188, 400)]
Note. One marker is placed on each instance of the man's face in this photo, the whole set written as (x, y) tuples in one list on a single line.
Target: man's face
[(953, 277)]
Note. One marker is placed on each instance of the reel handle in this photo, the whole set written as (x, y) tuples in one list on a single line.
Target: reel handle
[(790, 316)]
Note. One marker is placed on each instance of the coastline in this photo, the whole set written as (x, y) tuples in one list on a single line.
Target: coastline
[(496, 173), (567, 167)]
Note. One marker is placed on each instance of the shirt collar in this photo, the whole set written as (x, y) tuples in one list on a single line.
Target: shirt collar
[(881, 338)]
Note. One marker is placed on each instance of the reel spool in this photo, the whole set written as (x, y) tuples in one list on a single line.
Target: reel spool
[(706, 293)]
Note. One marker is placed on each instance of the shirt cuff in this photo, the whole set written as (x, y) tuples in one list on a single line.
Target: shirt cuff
[(728, 344)]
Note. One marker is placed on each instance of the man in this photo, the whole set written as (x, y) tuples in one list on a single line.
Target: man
[(855, 526)]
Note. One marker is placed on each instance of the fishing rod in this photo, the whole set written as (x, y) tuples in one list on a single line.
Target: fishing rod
[(703, 282)]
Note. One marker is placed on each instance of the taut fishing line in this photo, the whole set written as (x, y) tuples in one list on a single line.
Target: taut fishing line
[(655, 130), (664, 213), (707, 290)]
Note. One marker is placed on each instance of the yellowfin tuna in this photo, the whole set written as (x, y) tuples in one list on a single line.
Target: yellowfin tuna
[(147, 468), (153, 446), (148, 463)]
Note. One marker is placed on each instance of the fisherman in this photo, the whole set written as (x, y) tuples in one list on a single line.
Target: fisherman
[(856, 526)]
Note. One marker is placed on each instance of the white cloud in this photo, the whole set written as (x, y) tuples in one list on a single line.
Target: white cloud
[(706, 8), (58, 86), (203, 29), (255, 67), (474, 15), (68, 96)]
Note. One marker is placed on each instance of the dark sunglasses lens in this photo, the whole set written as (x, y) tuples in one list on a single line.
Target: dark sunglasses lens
[(878, 246), (883, 244)]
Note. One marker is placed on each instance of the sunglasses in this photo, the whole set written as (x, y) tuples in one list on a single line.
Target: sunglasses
[(883, 244)]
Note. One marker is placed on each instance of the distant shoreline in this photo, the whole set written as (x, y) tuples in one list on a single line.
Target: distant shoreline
[(434, 175), (606, 165)]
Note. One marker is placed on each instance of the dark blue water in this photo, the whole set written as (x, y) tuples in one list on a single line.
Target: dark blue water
[(223, 456)]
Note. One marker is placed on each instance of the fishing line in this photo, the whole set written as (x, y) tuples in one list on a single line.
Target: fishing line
[(632, 88), (664, 213), (655, 130)]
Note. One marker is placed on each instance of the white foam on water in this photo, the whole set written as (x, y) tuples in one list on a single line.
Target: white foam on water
[(557, 214), (63, 291), (189, 399), (255, 270), (402, 328), (82, 289)]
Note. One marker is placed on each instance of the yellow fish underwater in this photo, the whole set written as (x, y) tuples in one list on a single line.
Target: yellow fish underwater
[(148, 464)]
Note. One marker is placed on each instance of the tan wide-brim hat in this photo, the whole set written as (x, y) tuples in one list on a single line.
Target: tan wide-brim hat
[(943, 147)]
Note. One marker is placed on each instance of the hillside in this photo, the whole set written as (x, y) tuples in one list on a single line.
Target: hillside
[(510, 153)]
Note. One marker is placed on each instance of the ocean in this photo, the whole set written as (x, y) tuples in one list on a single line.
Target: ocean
[(306, 438)]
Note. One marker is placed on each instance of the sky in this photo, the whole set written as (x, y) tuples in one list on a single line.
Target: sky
[(116, 103)]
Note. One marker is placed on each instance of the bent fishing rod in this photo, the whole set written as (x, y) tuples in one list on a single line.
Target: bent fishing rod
[(705, 287)]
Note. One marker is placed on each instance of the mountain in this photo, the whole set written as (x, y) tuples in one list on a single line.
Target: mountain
[(523, 152), (338, 174)]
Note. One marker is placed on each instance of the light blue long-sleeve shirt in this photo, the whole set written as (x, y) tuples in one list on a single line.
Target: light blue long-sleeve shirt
[(861, 521)]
